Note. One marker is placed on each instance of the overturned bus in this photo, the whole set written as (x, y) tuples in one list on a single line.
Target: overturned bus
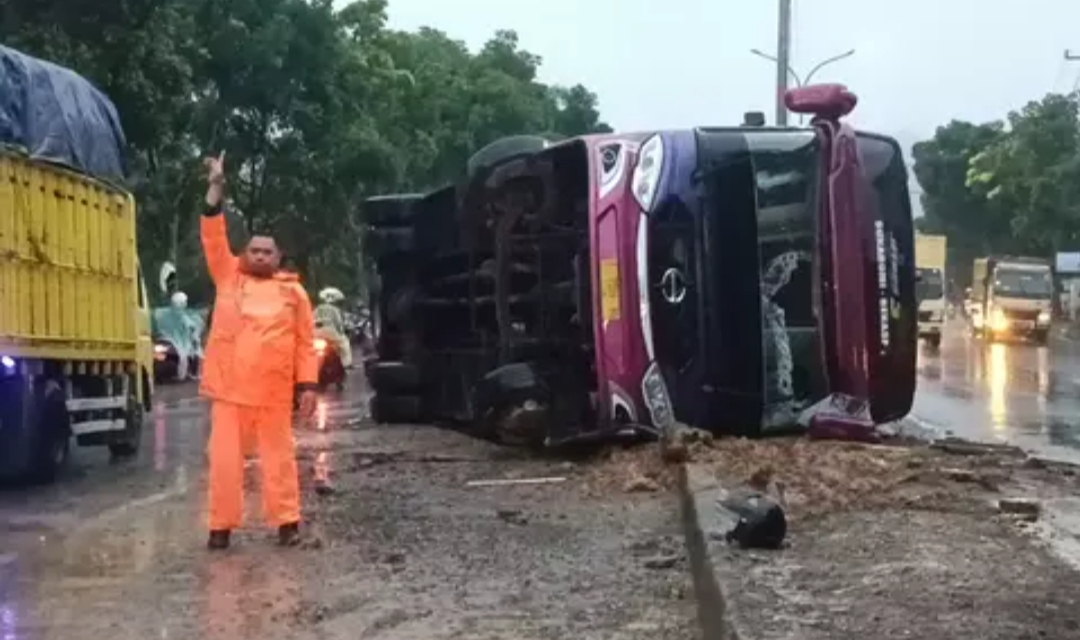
[(736, 279)]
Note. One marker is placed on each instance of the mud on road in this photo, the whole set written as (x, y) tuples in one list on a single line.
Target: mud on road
[(401, 548), (953, 542)]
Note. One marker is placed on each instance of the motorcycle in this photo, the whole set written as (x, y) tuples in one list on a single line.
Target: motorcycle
[(331, 369), (167, 362)]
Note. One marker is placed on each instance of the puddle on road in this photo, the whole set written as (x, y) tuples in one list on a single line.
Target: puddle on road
[(1016, 393)]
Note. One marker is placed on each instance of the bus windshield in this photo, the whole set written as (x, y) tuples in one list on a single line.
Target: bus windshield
[(786, 172)]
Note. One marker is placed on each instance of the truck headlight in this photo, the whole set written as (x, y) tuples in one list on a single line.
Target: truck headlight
[(647, 171), (998, 321), (1044, 317), (657, 399)]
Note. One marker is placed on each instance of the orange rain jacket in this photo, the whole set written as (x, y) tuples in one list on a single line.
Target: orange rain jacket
[(261, 344)]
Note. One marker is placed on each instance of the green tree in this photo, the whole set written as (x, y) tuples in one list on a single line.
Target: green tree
[(941, 167), (316, 107), (1031, 176)]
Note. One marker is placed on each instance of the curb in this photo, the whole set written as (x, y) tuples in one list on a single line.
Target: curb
[(713, 609)]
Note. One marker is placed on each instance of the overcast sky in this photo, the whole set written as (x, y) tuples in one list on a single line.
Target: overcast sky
[(680, 63)]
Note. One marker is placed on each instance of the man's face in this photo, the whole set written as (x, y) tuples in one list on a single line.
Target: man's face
[(261, 258)]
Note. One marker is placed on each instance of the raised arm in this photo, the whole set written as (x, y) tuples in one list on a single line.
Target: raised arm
[(220, 261)]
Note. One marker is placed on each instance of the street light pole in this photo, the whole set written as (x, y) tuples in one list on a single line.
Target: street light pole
[(783, 60)]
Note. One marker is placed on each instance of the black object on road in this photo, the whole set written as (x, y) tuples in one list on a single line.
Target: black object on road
[(761, 521)]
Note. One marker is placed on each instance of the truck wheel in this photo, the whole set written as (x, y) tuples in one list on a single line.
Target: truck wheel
[(126, 443), (387, 409), (1042, 338), (393, 377), (52, 441), (934, 341)]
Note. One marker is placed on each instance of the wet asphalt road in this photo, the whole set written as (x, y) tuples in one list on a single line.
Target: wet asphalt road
[(404, 547), (1018, 393)]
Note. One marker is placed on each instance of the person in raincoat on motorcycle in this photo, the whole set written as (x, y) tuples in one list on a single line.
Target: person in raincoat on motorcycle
[(259, 355), (330, 323)]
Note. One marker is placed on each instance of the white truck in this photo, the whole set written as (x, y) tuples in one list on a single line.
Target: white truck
[(930, 286), (1012, 298)]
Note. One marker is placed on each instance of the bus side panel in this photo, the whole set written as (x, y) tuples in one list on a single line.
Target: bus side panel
[(67, 264)]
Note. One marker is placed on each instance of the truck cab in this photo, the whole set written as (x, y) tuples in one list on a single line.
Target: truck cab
[(930, 287), (1013, 297)]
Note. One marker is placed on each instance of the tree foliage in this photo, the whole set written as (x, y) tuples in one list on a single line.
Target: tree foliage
[(1005, 187), (316, 108)]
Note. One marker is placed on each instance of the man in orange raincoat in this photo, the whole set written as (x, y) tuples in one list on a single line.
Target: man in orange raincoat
[(260, 352)]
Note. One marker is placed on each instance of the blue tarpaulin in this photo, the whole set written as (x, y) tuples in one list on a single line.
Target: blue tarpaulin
[(56, 115)]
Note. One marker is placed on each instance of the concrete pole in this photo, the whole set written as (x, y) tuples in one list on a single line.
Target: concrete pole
[(783, 61)]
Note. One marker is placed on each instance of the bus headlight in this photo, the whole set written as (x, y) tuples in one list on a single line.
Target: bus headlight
[(647, 171), (657, 399)]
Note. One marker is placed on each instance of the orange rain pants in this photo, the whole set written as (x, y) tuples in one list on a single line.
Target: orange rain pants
[(270, 428), (260, 351)]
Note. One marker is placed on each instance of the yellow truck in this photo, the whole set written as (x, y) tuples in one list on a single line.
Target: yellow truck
[(930, 286), (75, 350)]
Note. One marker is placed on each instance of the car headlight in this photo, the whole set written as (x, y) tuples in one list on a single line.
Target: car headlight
[(1044, 317), (160, 349), (647, 171), (320, 344), (657, 399)]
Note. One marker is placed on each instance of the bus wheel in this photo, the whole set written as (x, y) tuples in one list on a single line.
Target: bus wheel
[(388, 409)]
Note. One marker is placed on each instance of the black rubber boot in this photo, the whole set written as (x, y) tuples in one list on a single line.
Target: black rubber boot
[(289, 534), (218, 539)]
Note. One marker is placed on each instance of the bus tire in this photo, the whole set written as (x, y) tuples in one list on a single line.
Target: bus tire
[(388, 241), (390, 409), (504, 149), (394, 377)]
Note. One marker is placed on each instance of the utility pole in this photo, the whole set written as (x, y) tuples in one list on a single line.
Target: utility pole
[(783, 61)]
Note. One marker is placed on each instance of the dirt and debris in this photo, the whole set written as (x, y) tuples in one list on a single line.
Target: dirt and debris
[(898, 540), (816, 478)]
